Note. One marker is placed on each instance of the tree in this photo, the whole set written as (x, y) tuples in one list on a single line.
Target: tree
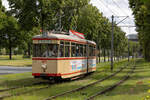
[(45, 14), (10, 34), (98, 28), (141, 10), (62, 15), (2, 23)]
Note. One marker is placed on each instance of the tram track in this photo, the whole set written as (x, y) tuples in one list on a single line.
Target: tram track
[(29, 91), (51, 83), (86, 86), (18, 87), (112, 86), (20, 93)]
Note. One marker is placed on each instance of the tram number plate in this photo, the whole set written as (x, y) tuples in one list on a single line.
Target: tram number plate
[(43, 74)]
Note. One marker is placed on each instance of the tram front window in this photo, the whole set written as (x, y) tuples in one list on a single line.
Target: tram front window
[(45, 50)]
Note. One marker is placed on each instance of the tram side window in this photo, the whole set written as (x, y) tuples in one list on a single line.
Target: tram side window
[(67, 49), (73, 50), (94, 51), (85, 49), (34, 50), (50, 50), (61, 51), (91, 50), (45, 50), (79, 50)]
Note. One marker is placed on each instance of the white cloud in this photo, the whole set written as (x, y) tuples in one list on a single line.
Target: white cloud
[(109, 8), (117, 8), (5, 3)]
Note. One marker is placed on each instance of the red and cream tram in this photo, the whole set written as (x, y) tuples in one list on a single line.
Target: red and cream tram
[(62, 56)]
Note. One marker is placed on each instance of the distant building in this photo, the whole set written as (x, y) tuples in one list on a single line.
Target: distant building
[(132, 37)]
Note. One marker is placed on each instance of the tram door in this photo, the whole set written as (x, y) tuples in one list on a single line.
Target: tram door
[(87, 55)]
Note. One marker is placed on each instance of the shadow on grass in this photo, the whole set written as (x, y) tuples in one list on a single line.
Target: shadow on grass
[(123, 89), (83, 94), (128, 89), (19, 82)]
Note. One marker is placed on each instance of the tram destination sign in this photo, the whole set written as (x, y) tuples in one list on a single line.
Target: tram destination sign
[(46, 41)]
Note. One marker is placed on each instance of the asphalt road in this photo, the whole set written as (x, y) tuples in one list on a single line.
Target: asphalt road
[(12, 70)]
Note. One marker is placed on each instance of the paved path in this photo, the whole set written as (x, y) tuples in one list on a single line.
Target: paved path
[(12, 70)]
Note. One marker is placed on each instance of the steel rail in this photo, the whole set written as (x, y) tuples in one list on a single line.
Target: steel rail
[(113, 86), (28, 85), (83, 87)]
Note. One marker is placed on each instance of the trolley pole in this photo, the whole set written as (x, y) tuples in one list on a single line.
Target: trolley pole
[(112, 43), (42, 20)]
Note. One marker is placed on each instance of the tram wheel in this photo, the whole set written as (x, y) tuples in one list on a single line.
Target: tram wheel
[(57, 79), (36, 77)]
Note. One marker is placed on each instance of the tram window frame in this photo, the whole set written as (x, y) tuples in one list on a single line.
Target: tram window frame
[(61, 47), (85, 50), (73, 49), (92, 49), (34, 50), (80, 50), (67, 49), (77, 50), (43, 49), (39, 51)]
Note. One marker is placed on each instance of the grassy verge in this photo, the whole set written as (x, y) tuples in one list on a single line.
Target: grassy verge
[(17, 60), (103, 70), (136, 88)]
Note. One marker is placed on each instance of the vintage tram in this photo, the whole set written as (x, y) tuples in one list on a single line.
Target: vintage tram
[(62, 56)]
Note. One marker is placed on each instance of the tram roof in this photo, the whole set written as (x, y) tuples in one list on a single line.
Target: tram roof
[(61, 37)]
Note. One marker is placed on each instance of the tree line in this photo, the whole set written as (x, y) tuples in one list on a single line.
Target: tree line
[(141, 11), (26, 18)]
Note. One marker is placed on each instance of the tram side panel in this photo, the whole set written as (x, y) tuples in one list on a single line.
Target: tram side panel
[(92, 64), (44, 67), (72, 68)]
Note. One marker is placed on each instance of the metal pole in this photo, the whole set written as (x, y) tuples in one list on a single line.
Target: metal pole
[(42, 19), (128, 51), (112, 43)]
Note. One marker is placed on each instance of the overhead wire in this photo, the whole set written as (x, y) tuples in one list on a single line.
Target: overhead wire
[(122, 10), (114, 13), (119, 7), (108, 8)]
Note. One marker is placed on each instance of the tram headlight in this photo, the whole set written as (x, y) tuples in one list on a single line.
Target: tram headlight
[(44, 66)]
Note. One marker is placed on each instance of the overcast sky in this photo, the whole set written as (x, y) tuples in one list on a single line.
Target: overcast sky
[(117, 8), (109, 8)]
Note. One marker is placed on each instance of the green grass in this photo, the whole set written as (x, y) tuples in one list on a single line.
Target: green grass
[(136, 88), (14, 80), (82, 95), (17, 60)]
